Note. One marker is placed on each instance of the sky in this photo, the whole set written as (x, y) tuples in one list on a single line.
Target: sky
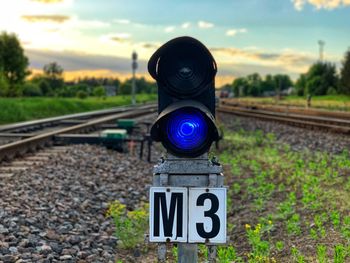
[(89, 37)]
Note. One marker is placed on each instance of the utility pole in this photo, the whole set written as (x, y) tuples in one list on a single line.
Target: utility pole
[(134, 67), (321, 44)]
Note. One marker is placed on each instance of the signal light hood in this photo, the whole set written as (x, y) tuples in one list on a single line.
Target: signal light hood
[(183, 66)]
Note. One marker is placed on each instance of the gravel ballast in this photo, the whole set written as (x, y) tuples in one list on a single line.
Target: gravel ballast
[(298, 138), (56, 212)]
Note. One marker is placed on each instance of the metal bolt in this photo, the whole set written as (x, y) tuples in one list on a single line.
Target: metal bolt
[(207, 190), (168, 189)]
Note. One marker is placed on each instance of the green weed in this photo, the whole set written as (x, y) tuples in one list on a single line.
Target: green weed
[(227, 255), (293, 225), (339, 254), (174, 251), (130, 226), (345, 228), (297, 256), (335, 218), (279, 246), (322, 254)]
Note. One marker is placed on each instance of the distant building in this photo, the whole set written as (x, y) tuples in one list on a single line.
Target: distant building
[(288, 91), (272, 93), (110, 90), (269, 93)]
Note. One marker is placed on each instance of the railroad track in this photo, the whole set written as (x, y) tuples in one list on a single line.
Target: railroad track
[(26, 141), (338, 122)]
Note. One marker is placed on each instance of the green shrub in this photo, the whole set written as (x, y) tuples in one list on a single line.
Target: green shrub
[(130, 226), (82, 94), (99, 92), (4, 86), (31, 90)]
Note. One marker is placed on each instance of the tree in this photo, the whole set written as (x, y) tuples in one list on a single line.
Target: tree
[(81, 94), (268, 84), (125, 87), (4, 86), (240, 86), (321, 78), (254, 84), (300, 85), (53, 70), (13, 62), (99, 92), (345, 74), (31, 90), (53, 74), (282, 82)]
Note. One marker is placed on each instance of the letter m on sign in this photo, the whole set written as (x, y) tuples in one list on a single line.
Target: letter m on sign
[(168, 214)]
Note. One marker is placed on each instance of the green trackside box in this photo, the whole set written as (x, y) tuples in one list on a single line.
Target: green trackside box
[(126, 123), (118, 134)]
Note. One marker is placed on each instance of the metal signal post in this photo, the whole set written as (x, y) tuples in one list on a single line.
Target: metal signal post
[(133, 87), (187, 200)]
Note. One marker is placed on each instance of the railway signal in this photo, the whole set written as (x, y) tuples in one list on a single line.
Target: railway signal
[(134, 66), (184, 70), (188, 199)]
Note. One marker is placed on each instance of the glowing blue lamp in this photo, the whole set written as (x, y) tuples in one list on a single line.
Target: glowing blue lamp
[(186, 129)]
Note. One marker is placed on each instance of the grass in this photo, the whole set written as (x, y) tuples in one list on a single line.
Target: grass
[(291, 205), (25, 109), (334, 102)]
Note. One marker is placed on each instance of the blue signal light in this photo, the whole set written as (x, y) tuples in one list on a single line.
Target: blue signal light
[(186, 129)]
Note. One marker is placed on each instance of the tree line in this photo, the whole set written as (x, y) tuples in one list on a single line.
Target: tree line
[(14, 80), (255, 85), (321, 79)]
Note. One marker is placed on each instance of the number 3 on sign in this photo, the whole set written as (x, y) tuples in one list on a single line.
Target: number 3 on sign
[(207, 215)]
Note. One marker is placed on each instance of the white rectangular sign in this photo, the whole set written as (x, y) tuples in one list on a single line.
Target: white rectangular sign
[(206, 210), (168, 214), (207, 215)]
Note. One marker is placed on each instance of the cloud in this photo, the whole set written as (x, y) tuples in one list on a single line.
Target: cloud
[(118, 37), (150, 45), (205, 25), (54, 3), (75, 22), (45, 18), (233, 32), (122, 21), (169, 29), (186, 25), (48, 1), (227, 70), (320, 4), (287, 60), (75, 61)]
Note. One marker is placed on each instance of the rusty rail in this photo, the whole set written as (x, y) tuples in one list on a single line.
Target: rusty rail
[(11, 150), (301, 120)]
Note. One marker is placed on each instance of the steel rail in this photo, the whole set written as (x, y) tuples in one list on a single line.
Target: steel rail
[(11, 150), (296, 120), (56, 120), (288, 109), (335, 121)]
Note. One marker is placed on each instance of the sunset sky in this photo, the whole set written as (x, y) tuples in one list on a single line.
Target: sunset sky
[(98, 37)]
